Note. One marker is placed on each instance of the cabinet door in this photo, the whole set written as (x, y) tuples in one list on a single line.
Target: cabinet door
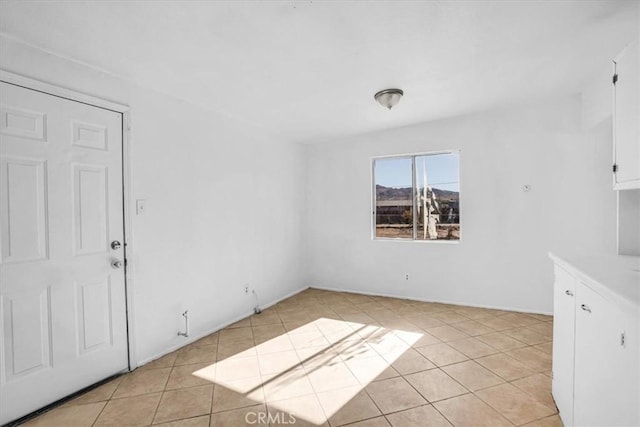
[(631, 359), (563, 343), (626, 119), (603, 393)]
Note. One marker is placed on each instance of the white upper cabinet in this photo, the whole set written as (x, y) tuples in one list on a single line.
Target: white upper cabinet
[(626, 119)]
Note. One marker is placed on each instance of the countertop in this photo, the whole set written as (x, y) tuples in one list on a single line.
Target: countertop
[(614, 276)]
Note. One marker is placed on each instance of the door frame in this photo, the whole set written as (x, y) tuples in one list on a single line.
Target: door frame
[(125, 112)]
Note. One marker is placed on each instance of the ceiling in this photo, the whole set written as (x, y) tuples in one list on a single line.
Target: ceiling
[(308, 70)]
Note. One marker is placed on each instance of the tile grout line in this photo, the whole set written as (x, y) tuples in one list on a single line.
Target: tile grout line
[(528, 394), (155, 413), (213, 390), (100, 413), (106, 403)]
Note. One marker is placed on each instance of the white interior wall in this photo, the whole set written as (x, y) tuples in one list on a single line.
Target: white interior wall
[(629, 222), (501, 260), (217, 192), (222, 206)]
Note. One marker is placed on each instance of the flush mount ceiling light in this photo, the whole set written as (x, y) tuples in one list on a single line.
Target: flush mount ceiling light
[(389, 98)]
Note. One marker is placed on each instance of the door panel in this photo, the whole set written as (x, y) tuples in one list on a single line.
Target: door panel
[(23, 123), (63, 305), (89, 135), (23, 198), (27, 331), (94, 314), (90, 209)]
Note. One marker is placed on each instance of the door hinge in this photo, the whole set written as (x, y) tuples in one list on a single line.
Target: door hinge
[(622, 339), (615, 168), (615, 78)]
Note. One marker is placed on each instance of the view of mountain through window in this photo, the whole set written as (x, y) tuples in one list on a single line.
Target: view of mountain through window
[(418, 197)]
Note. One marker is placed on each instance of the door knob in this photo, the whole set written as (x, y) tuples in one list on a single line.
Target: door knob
[(116, 264), (115, 245)]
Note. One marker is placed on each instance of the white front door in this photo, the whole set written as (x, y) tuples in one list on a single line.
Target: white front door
[(62, 303)]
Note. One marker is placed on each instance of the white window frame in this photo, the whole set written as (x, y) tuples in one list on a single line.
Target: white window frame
[(413, 184)]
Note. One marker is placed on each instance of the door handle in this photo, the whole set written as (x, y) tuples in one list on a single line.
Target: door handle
[(116, 264), (585, 308), (568, 292)]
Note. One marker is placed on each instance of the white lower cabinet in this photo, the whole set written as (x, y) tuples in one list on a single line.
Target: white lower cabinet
[(603, 381), (563, 343), (596, 379)]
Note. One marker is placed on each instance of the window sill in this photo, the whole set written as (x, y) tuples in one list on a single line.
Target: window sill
[(391, 239)]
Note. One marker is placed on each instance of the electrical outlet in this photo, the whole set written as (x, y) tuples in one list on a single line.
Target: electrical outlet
[(246, 289), (141, 207), (406, 276)]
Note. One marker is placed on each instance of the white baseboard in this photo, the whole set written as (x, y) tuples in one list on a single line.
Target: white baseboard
[(410, 298), (194, 338)]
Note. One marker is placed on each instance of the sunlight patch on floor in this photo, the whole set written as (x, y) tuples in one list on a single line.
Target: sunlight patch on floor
[(325, 355)]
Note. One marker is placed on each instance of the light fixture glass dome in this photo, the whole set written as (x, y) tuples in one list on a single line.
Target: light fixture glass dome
[(389, 98)]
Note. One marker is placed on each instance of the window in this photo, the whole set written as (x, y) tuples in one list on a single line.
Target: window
[(417, 197)]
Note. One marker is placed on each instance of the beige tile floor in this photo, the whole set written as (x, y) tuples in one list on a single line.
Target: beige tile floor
[(332, 359)]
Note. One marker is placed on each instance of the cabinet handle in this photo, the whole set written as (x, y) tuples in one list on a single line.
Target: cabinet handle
[(585, 308), (568, 292)]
